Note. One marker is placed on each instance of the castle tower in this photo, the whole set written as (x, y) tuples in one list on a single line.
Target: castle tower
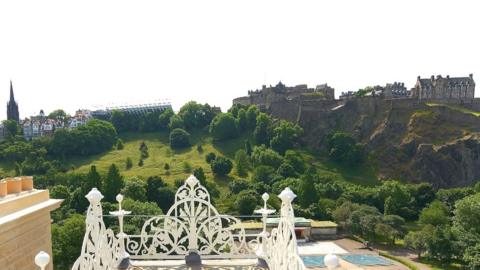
[(12, 107)]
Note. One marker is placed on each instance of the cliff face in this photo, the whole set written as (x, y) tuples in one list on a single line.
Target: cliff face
[(409, 140)]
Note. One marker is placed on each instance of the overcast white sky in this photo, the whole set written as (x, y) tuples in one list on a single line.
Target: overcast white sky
[(78, 54)]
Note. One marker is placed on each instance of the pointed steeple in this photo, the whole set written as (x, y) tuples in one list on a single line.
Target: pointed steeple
[(12, 98), (12, 106)]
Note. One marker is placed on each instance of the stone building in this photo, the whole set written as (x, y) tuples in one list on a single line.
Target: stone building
[(265, 96), (12, 107), (458, 88), (25, 227)]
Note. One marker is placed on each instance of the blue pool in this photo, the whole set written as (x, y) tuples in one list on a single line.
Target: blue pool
[(365, 259), (313, 261)]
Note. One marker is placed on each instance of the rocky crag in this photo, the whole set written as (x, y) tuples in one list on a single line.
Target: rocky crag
[(437, 141)]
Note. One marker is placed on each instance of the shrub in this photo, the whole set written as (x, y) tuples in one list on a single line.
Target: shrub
[(210, 157), (179, 138), (119, 144), (221, 166), (223, 127), (128, 163)]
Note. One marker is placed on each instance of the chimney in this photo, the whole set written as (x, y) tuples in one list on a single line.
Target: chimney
[(471, 76), (448, 76), (432, 78), (418, 78), (439, 76)]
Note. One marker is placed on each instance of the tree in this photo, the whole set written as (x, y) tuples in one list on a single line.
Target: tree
[(128, 163), (262, 155), (119, 144), (262, 129), (223, 127), (295, 159), (10, 129), (342, 213), (210, 157), (263, 174), (93, 180), (196, 115), (135, 189), (286, 170), (141, 209), (176, 122), (200, 175), (140, 162), (164, 198), (179, 138), (113, 183), (164, 118), (441, 245), (241, 162), (78, 202), (342, 148), (59, 115), (472, 257), (154, 183), (308, 195), (221, 166), (435, 214), (418, 240), (67, 239), (246, 202), (242, 120), (238, 185), (285, 135), (248, 147), (252, 113), (143, 150)]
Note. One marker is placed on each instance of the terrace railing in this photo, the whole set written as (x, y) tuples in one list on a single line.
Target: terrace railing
[(191, 225)]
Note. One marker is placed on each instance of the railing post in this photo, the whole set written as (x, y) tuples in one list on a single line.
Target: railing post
[(120, 214), (262, 251)]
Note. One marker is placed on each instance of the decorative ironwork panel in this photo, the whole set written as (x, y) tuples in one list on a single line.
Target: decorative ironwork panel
[(192, 224)]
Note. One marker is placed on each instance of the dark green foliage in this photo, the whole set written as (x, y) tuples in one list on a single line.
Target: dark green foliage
[(262, 155), (210, 157), (143, 150), (307, 194), (241, 120), (135, 189), (246, 202), (78, 202), (200, 175), (93, 180), (262, 129), (166, 167), (140, 162), (343, 148), (435, 214), (179, 138), (164, 197), (187, 167), (286, 170), (285, 135), (93, 138), (134, 224), (10, 129), (119, 144), (238, 185), (164, 119), (248, 147), (154, 183), (263, 174), (252, 113), (176, 122), (67, 239), (221, 166), (241, 162), (196, 115), (113, 183), (59, 115), (295, 160), (223, 127), (128, 163), (199, 148)]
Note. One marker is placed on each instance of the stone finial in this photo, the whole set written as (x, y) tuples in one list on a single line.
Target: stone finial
[(432, 78), (448, 76), (418, 77), (470, 75)]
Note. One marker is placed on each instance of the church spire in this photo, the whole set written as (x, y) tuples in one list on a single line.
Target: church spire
[(12, 106), (12, 97)]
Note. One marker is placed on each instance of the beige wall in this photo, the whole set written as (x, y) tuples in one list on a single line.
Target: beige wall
[(25, 231)]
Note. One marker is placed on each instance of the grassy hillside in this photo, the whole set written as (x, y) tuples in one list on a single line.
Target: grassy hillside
[(179, 161)]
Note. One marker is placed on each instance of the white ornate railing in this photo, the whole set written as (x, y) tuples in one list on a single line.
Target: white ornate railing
[(101, 250), (192, 224), (281, 245)]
